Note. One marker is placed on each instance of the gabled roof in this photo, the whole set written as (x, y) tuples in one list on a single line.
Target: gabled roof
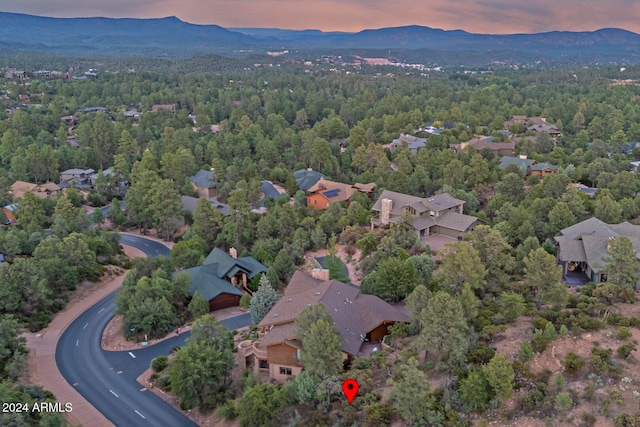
[(189, 205), (269, 190), (587, 241), (413, 142), (208, 284), (209, 278), (222, 264), (332, 190), (456, 221), (76, 171), (354, 314), (436, 203), (520, 163), (306, 178), (204, 179)]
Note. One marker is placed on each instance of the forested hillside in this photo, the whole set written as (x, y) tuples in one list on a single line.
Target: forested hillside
[(155, 129)]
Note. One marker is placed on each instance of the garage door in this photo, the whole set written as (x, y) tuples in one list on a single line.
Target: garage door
[(224, 301)]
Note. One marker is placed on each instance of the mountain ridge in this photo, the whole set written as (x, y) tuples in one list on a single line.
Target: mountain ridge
[(170, 36)]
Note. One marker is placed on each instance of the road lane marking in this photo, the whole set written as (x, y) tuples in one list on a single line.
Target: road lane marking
[(136, 411), (146, 244), (114, 393), (101, 310), (77, 342), (132, 355), (85, 326)]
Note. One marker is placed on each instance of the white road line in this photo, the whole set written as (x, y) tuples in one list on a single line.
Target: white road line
[(132, 355), (146, 244), (139, 414), (101, 310), (85, 326), (77, 342), (114, 393)]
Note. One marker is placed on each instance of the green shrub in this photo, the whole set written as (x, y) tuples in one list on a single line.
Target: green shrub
[(481, 355), (228, 411), (623, 333), (564, 402), (625, 350), (588, 420), (379, 414), (539, 343), (245, 300), (573, 363), (526, 352), (163, 382), (159, 363)]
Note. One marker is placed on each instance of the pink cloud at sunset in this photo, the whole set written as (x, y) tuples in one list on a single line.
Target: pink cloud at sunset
[(478, 16)]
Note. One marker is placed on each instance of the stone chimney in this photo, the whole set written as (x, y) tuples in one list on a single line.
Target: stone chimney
[(523, 156), (233, 252), (385, 211), (320, 273)]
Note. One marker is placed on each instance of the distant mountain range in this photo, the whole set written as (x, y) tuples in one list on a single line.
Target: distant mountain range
[(174, 38)]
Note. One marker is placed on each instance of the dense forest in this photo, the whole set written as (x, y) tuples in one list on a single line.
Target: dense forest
[(265, 123)]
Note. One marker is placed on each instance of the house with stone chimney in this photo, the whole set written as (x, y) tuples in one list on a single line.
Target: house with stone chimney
[(361, 321), (438, 214), (223, 277)]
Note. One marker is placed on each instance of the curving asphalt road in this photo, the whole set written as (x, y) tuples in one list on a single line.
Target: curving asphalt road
[(108, 379)]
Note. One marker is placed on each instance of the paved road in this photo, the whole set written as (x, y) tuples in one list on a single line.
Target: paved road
[(108, 379), (150, 247)]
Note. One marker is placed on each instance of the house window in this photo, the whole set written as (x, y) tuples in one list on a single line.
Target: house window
[(285, 371), (263, 364), (298, 356)]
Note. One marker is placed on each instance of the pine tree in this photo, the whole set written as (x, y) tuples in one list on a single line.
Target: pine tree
[(263, 300)]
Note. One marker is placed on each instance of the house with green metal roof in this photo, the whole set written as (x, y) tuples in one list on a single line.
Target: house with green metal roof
[(222, 278), (528, 167)]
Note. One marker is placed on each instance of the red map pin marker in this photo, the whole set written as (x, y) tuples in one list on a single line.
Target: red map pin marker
[(350, 389)]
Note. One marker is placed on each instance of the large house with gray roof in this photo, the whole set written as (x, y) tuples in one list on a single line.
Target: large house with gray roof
[(582, 248), (361, 321), (222, 277), (413, 143), (439, 214)]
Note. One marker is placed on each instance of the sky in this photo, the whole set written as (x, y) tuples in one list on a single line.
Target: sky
[(477, 16)]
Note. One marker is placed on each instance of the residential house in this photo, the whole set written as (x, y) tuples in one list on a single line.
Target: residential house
[(528, 167), (222, 278), (189, 204), (635, 167), (307, 178), (270, 191), (79, 178), (628, 148), (590, 192), (326, 192), (204, 183), (361, 321), (552, 130), (485, 142), (13, 107), (89, 110), (582, 248), (10, 212), (413, 143), (115, 181), (42, 191), (439, 214), (168, 107)]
